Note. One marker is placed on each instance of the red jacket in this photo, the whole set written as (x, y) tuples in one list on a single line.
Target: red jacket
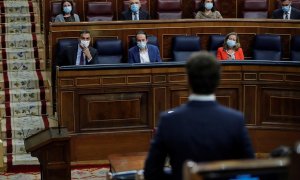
[(222, 54)]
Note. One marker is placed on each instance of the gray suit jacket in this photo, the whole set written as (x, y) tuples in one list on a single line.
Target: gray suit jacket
[(127, 15), (60, 18)]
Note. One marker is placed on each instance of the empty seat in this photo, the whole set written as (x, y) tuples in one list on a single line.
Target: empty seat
[(55, 10), (62, 44), (151, 40), (255, 9), (215, 41), (110, 51), (295, 48), (184, 46), (99, 11), (267, 47), (169, 9)]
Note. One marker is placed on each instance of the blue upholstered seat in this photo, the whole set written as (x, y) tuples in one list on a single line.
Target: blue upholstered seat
[(295, 48), (110, 51), (184, 46), (267, 47), (64, 43), (215, 41)]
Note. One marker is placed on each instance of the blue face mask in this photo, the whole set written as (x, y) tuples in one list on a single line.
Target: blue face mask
[(67, 9), (134, 7), (209, 6), (286, 8), (142, 45), (231, 43)]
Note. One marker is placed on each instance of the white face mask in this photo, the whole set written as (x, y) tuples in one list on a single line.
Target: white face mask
[(85, 43), (142, 44)]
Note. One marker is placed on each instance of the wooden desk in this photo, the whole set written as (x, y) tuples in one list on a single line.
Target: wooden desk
[(113, 109), (127, 162)]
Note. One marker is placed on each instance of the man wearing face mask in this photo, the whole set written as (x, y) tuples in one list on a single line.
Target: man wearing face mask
[(135, 12), (80, 54), (143, 52), (286, 11)]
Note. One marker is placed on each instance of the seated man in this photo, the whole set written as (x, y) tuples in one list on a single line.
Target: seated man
[(80, 54), (286, 11), (143, 52), (135, 12), (201, 130)]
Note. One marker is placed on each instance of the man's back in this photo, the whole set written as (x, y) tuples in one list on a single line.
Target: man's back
[(200, 131)]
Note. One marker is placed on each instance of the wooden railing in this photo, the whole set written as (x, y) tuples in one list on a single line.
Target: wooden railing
[(166, 29), (112, 109)]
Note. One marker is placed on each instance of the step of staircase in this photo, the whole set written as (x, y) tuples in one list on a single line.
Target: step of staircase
[(25, 95), (22, 127), (22, 65), (21, 53), (21, 7), (23, 159), (23, 80), (18, 28), (19, 18), (25, 40), (25, 109)]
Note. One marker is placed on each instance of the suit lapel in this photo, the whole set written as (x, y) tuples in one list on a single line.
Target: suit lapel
[(74, 55), (151, 58), (137, 55)]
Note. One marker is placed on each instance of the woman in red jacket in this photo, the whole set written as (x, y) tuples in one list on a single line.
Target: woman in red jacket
[(231, 49)]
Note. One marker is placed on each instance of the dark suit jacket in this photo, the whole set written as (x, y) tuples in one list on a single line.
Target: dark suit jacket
[(200, 131), (278, 14), (69, 55), (127, 15), (134, 54)]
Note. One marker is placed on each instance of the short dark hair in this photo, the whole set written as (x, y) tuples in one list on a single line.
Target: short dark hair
[(204, 72), (142, 32), (84, 32), (62, 6)]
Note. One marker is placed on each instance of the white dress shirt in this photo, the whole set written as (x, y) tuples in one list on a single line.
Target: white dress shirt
[(144, 56)]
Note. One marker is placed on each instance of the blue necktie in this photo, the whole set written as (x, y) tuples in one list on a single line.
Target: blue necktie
[(81, 59), (135, 16)]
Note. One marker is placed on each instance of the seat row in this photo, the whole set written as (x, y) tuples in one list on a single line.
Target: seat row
[(165, 9), (265, 47)]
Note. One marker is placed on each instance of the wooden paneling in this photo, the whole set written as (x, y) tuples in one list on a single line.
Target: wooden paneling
[(119, 112)]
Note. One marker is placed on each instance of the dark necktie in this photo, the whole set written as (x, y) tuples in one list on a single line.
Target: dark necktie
[(286, 15), (135, 16), (81, 59)]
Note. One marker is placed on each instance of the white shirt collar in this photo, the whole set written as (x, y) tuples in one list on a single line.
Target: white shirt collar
[(197, 97)]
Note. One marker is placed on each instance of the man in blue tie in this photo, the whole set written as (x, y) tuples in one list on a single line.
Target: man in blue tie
[(79, 54), (135, 12), (286, 11)]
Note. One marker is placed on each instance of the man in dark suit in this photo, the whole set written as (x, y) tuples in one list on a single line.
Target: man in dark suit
[(79, 54), (201, 130), (135, 12), (143, 52), (286, 11)]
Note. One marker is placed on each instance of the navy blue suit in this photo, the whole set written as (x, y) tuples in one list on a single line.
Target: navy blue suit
[(127, 15), (278, 14), (200, 131), (134, 54)]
